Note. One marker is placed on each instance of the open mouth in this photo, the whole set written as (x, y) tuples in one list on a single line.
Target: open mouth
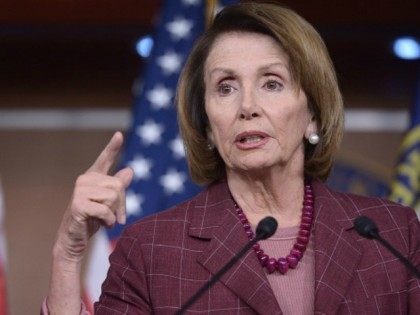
[(251, 139)]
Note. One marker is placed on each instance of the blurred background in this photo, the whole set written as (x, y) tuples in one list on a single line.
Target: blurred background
[(70, 74)]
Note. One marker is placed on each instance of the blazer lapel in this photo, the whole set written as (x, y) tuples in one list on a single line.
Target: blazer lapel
[(216, 219), (337, 253)]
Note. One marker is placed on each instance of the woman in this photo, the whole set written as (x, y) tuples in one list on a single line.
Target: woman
[(261, 116)]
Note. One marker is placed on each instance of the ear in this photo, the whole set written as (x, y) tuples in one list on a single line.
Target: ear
[(311, 128)]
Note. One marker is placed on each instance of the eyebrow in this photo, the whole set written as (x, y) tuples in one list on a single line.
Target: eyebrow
[(222, 70), (274, 64), (262, 69)]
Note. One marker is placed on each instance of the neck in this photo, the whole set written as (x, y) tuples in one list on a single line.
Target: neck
[(272, 192)]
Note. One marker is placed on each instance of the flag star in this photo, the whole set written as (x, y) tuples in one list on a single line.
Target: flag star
[(177, 147), (141, 167), (160, 97), (191, 2), (170, 62), (179, 28), (173, 181), (133, 204), (150, 132)]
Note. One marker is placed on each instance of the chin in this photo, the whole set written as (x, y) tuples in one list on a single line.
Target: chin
[(255, 166)]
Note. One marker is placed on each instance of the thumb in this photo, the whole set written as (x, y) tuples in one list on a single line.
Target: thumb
[(126, 175)]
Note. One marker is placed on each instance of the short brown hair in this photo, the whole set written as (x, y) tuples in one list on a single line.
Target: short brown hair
[(310, 66)]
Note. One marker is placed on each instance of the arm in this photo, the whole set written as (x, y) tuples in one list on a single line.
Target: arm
[(98, 199)]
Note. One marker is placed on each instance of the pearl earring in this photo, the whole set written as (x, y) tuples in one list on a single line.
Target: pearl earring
[(210, 146), (313, 138)]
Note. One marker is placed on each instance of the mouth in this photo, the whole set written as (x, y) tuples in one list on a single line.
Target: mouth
[(250, 137)]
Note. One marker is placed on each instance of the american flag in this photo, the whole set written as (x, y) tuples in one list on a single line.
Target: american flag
[(405, 187), (154, 148)]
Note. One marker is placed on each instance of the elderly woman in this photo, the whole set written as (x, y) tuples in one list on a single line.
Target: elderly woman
[(261, 117)]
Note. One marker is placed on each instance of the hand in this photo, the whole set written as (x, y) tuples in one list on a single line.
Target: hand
[(98, 199)]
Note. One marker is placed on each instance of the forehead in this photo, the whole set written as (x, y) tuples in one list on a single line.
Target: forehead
[(234, 49)]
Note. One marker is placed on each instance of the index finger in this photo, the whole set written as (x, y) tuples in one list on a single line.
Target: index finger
[(108, 156)]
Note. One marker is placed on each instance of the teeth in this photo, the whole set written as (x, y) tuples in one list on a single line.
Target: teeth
[(251, 139)]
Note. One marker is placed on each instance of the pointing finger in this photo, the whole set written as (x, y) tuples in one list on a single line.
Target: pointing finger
[(109, 155)]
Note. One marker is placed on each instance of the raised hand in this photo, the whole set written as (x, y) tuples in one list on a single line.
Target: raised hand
[(98, 199)]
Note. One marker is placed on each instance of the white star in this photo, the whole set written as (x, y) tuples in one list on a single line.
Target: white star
[(150, 132), (177, 147), (159, 97), (173, 181), (179, 28), (191, 2), (141, 167), (170, 62), (133, 203)]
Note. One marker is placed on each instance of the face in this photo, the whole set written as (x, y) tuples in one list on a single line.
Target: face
[(258, 117)]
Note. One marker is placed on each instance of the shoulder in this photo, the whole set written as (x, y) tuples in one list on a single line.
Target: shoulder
[(385, 212)]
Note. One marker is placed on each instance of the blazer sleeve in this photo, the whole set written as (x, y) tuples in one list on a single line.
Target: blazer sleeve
[(125, 288), (413, 282)]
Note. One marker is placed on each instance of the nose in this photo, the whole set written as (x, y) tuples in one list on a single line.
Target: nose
[(249, 106)]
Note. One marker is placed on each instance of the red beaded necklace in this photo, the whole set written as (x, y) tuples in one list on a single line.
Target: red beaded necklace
[(296, 253)]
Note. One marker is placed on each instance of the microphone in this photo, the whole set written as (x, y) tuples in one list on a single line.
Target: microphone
[(265, 228), (367, 228)]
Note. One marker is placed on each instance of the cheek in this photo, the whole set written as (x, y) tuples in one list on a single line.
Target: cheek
[(220, 132), (221, 119)]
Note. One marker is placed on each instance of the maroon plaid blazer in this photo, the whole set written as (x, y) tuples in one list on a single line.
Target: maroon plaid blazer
[(163, 259)]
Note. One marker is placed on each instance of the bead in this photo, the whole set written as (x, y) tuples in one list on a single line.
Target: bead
[(241, 216), (292, 261), (303, 240), (308, 208), (244, 220), (305, 226), (263, 259), (282, 265), (304, 233), (247, 226), (307, 219), (308, 203), (256, 247), (259, 252), (297, 253), (249, 233), (307, 214), (271, 265), (300, 247)]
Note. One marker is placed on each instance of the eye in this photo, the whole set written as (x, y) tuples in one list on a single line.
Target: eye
[(273, 85), (224, 89)]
